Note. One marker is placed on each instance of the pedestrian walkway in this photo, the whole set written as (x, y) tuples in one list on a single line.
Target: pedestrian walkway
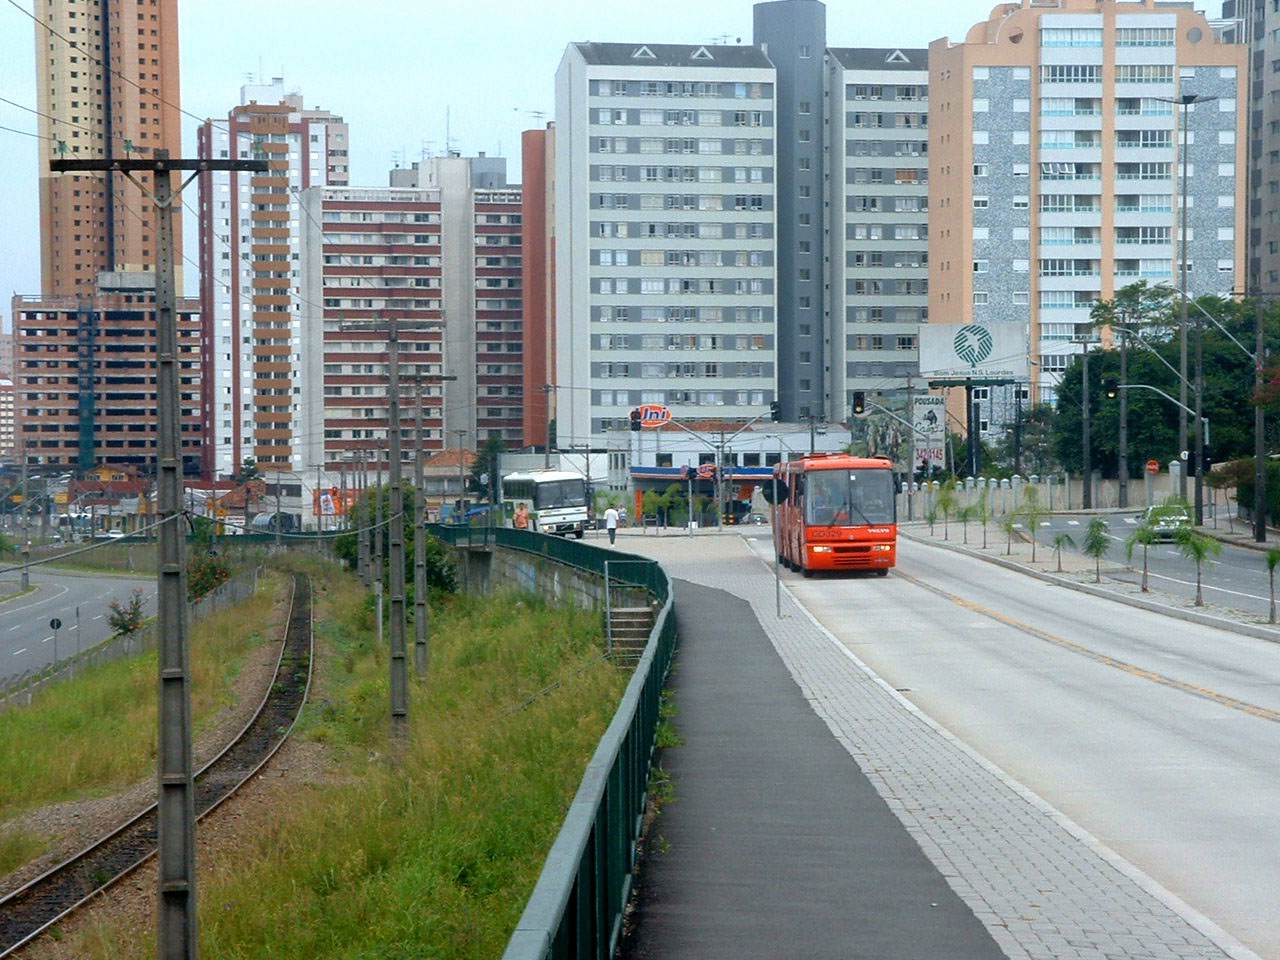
[(776, 846)]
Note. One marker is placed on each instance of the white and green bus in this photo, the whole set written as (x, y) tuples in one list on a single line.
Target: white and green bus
[(555, 501)]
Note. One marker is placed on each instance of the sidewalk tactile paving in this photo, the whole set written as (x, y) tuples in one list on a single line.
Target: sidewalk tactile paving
[(1042, 886)]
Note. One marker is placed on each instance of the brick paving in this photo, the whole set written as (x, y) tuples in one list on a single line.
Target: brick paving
[(1042, 886)]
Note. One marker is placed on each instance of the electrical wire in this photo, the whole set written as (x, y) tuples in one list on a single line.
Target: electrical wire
[(92, 546)]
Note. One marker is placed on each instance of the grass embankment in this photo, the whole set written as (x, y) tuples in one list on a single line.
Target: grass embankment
[(97, 733), (435, 856)]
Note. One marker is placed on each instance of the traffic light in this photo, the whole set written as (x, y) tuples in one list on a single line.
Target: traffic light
[(775, 411), (635, 421), (859, 403), (1110, 387)]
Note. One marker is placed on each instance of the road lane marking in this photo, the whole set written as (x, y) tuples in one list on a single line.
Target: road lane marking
[(16, 652), (18, 626), (1073, 523), (1222, 699), (98, 617)]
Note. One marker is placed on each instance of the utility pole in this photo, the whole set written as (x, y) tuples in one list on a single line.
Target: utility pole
[(378, 516), (1086, 500), (462, 483), (1259, 447), (175, 817), (1124, 420), (395, 531), (276, 519), (421, 608), (26, 523), (363, 519), (1198, 453)]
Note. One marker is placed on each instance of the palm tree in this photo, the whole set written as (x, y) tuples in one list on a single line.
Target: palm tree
[(1009, 523), (932, 518), (983, 513), (965, 514), (1198, 548), (1096, 542), (1143, 536), (1033, 511), (1273, 558), (946, 503), (1061, 540)]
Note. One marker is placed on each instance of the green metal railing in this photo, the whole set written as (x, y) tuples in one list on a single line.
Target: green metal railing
[(575, 910)]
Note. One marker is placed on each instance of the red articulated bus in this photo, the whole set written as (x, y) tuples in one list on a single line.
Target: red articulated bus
[(835, 512)]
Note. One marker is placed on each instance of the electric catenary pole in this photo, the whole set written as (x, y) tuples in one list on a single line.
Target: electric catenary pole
[(395, 533), (176, 803)]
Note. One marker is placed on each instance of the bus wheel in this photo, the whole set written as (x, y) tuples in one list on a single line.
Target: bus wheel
[(882, 573), (806, 571), (578, 534)]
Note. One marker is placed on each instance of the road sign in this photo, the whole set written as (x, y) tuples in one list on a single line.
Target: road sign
[(1153, 466), (654, 415), (55, 624)]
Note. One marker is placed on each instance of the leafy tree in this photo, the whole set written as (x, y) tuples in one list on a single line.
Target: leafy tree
[(1061, 540), (932, 518), (1035, 437), (8, 546), (248, 471), (442, 568), (1273, 559), (1096, 542), (964, 515), (1198, 548), (1144, 536), (483, 480)]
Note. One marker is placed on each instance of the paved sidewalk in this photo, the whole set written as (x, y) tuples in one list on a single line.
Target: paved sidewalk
[(1040, 885)]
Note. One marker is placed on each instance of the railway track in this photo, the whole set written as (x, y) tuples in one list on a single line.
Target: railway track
[(34, 908)]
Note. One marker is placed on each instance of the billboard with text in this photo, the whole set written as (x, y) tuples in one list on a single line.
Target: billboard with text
[(973, 351)]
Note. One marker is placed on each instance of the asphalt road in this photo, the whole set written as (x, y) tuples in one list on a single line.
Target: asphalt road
[(1237, 579), (1157, 736), (26, 640)]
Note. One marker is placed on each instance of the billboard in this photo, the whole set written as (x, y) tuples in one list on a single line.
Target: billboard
[(929, 428), (973, 351)]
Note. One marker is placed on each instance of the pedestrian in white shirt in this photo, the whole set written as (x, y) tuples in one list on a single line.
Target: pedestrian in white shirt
[(611, 524)]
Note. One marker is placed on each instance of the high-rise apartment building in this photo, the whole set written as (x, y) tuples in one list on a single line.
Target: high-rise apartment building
[(1257, 24), (107, 86), (481, 237), (665, 225), (85, 391), (538, 283), (878, 242), (792, 34), (250, 244), (1054, 166), (371, 256)]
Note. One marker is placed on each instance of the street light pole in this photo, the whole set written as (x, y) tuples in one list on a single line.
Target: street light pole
[(1124, 423), (1086, 497)]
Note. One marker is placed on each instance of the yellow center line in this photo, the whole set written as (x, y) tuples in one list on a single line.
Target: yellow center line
[(1142, 673)]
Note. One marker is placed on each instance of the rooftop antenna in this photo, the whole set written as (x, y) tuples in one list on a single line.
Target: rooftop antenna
[(722, 39)]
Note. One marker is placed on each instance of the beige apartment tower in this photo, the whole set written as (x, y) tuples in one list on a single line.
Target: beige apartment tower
[(107, 82), (1054, 167)]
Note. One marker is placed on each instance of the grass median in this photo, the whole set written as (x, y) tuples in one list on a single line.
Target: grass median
[(434, 855), (97, 733)]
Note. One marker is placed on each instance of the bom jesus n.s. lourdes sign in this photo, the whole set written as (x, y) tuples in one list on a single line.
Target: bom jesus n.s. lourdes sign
[(978, 351)]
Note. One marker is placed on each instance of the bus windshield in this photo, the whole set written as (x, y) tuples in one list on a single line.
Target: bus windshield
[(848, 497), (560, 493)]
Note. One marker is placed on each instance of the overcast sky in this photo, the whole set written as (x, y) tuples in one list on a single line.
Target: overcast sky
[(392, 69)]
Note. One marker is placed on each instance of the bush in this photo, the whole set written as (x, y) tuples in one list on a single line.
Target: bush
[(205, 571), (126, 617)]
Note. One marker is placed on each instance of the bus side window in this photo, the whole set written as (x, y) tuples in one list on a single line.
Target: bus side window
[(797, 489)]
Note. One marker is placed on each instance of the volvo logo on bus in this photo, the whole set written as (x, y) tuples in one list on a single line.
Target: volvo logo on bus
[(654, 415)]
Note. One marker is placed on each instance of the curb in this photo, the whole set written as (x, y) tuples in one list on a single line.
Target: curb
[(1203, 619)]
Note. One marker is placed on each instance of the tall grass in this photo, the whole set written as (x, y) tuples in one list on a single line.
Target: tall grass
[(435, 855), (97, 733)]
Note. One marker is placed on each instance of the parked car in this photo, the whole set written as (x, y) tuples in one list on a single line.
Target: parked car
[(1166, 520)]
